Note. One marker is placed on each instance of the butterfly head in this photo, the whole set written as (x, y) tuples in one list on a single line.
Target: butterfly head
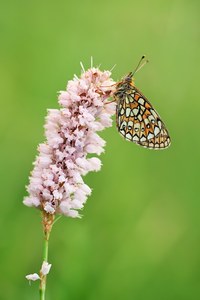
[(128, 78), (126, 81)]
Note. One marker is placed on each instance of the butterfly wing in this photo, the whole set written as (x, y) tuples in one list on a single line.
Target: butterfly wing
[(138, 121)]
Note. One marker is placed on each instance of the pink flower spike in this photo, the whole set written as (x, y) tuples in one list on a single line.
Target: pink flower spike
[(56, 183)]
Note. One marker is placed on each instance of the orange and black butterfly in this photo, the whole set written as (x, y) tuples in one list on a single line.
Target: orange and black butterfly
[(137, 121)]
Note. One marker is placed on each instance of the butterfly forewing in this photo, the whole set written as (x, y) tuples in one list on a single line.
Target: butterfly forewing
[(137, 120)]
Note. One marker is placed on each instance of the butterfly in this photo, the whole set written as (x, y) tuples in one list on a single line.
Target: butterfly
[(137, 121)]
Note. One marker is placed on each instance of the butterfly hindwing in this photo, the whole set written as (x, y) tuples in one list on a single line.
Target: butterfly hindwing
[(138, 121)]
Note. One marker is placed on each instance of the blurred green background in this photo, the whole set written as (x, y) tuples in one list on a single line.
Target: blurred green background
[(140, 234)]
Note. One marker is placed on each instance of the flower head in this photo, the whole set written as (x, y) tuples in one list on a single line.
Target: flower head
[(56, 183)]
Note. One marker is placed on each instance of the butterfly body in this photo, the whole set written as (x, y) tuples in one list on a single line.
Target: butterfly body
[(136, 119)]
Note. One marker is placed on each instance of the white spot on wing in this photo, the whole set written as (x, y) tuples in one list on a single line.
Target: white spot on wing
[(122, 111), (128, 136), (151, 119), (141, 101), (135, 138), (131, 98), (127, 100), (143, 139), (159, 124), (150, 136), (156, 130), (135, 111), (123, 125), (128, 110), (123, 132), (130, 124), (137, 127)]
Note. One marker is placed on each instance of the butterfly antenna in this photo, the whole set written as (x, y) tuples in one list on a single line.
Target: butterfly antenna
[(142, 65), (139, 65)]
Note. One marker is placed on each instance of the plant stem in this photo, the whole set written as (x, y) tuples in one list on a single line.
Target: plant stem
[(47, 226), (43, 277)]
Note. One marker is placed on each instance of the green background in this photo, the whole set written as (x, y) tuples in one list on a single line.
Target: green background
[(140, 234)]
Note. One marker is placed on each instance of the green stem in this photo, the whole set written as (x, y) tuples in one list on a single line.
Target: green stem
[(46, 249), (47, 226), (43, 277)]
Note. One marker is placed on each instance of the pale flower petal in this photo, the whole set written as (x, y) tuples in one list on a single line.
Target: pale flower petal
[(45, 268), (33, 277), (49, 209), (95, 163), (91, 148), (73, 214), (31, 201)]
